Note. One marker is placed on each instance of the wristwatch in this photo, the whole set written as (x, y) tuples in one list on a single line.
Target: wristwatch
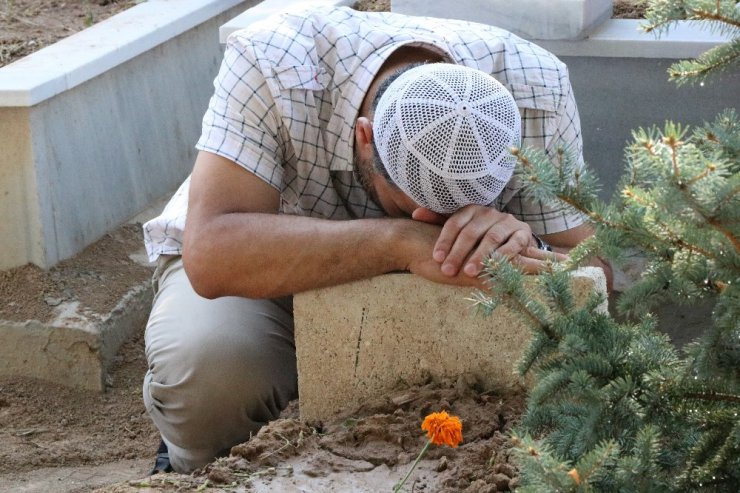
[(541, 244)]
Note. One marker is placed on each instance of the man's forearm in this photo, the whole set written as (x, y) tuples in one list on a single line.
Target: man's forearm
[(268, 255)]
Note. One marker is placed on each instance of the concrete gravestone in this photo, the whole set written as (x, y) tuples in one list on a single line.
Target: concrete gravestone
[(361, 340)]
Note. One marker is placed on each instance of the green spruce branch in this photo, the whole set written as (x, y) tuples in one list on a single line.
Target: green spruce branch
[(724, 17), (713, 15), (674, 142), (614, 406), (714, 396)]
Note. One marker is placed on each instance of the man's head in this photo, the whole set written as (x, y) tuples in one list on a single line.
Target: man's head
[(442, 134)]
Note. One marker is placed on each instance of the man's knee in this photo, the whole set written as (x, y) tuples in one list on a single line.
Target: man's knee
[(213, 364), (218, 370)]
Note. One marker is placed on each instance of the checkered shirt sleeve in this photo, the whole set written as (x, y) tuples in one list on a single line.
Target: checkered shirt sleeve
[(240, 123)]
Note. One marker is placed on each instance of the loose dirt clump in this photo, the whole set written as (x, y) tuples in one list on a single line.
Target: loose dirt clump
[(629, 9), (48, 425), (380, 440)]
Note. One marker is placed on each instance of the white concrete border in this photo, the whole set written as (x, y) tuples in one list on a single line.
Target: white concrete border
[(624, 38), (98, 125), (89, 53), (529, 19)]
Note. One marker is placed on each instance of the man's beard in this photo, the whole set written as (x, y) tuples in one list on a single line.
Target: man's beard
[(364, 171)]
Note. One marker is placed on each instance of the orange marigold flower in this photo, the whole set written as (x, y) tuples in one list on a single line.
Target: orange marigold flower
[(443, 429)]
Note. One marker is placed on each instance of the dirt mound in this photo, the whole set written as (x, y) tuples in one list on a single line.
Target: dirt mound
[(48, 425), (370, 450)]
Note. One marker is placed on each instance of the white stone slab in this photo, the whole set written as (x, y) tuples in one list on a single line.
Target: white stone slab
[(531, 19), (77, 348), (621, 38), (624, 38), (100, 124)]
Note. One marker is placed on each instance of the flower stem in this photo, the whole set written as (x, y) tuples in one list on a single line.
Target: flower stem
[(397, 488)]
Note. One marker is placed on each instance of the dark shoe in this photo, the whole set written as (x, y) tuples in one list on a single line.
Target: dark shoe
[(162, 462)]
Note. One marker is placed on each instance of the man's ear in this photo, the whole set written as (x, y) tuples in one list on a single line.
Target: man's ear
[(364, 136)]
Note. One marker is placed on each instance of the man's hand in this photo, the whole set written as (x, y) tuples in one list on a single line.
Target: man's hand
[(474, 232), (417, 246)]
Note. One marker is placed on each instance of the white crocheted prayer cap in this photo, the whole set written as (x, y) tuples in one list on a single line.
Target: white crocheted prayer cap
[(444, 133)]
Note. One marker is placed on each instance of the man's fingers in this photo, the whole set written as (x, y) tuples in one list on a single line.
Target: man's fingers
[(474, 232), (530, 265), (449, 238), (536, 253), (489, 244), (428, 216), (516, 243), (534, 261), (473, 241)]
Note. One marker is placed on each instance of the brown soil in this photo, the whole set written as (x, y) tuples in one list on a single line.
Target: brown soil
[(98, 278), (629, 9), (382, 436), (29, 25), (43, 424)]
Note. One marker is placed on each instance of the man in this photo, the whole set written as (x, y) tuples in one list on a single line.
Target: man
[(331, 152)]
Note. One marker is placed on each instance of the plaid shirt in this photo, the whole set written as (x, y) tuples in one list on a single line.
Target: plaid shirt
[(289, 90)]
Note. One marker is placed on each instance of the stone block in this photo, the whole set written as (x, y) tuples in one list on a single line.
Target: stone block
[(66, 325), (360, 340), (530, 19), (77, 348)]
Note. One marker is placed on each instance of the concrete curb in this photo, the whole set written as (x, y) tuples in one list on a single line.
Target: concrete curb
[(77, 348)]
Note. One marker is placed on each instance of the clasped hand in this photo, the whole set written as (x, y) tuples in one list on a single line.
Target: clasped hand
[(474, 232)]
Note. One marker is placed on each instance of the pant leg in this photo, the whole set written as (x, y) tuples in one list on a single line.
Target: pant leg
[(218, 369)]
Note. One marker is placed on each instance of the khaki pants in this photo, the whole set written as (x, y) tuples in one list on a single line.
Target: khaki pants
[(218, 369)]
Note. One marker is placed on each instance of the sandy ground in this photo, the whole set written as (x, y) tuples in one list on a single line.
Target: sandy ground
[(57, 439), (98, 278), (62, 440), (368, 450)]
